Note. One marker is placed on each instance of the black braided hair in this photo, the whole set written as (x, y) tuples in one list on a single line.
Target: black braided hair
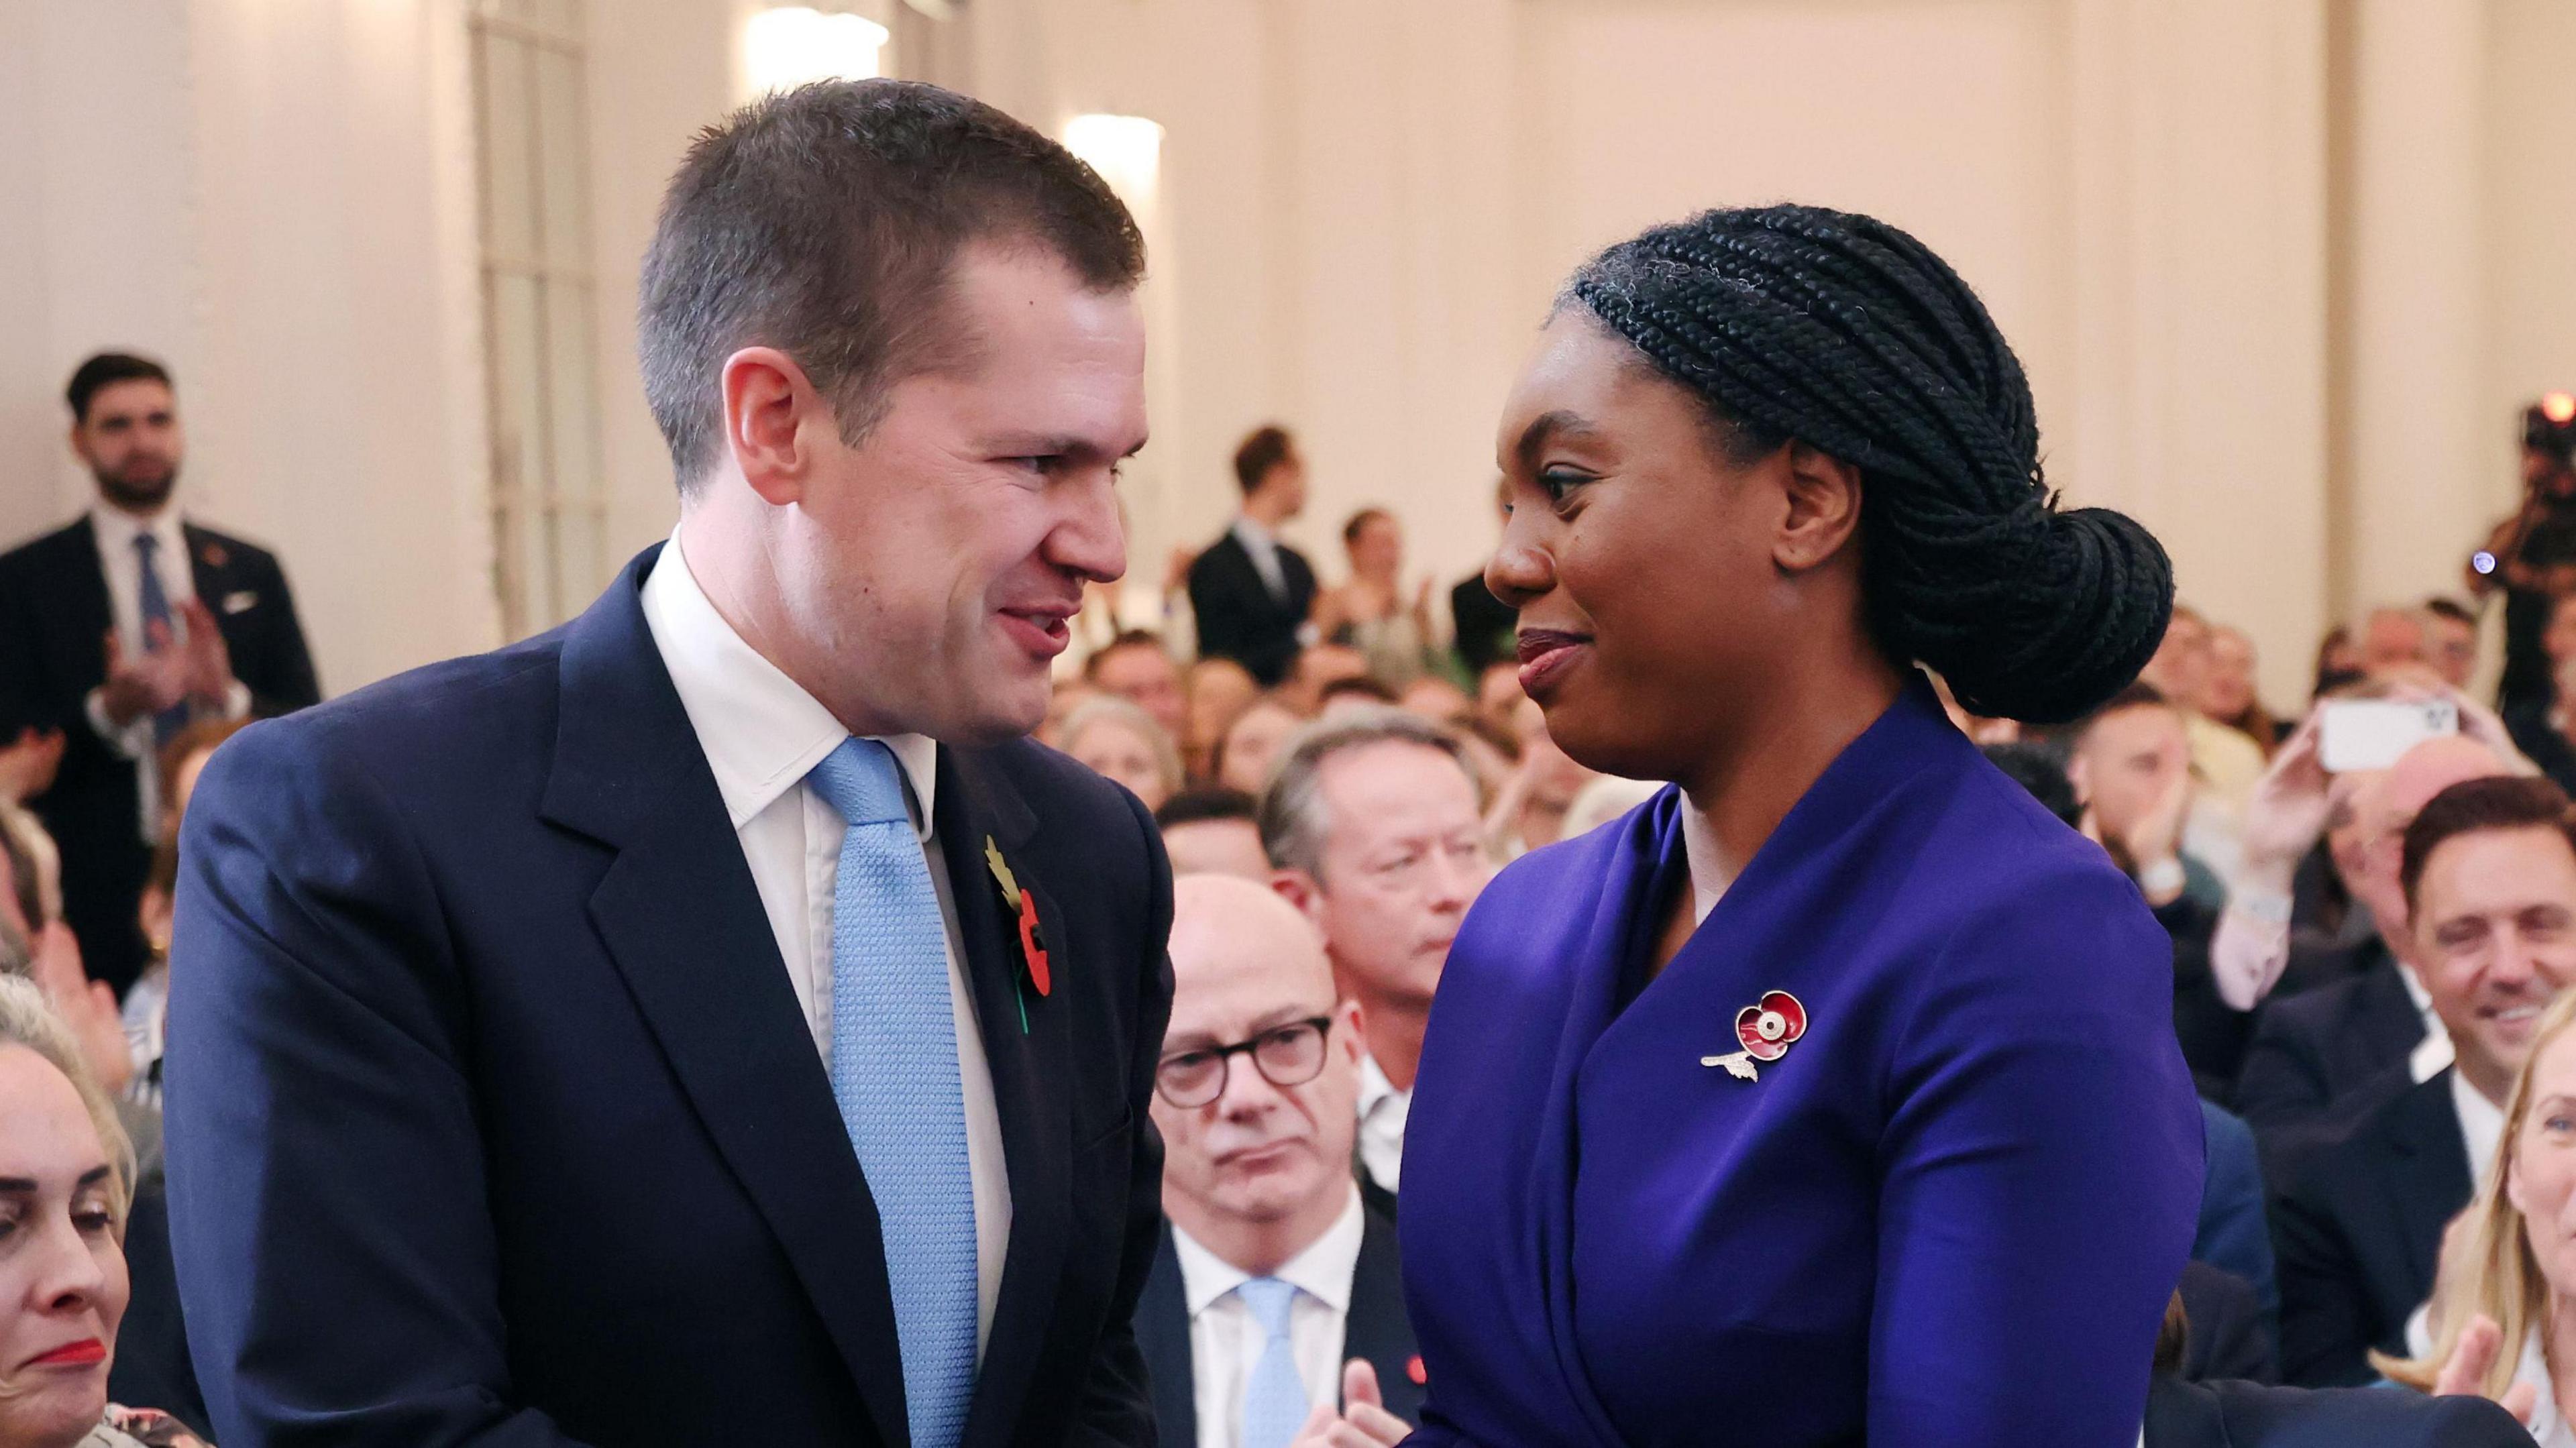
[(1847, 334)]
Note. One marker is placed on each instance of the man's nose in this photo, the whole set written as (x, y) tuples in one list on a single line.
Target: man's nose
[(1089, 538)]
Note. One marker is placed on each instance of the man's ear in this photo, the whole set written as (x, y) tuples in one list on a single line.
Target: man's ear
[(1299, 889), (768, 405), (1355, 1016), (1822, 497)]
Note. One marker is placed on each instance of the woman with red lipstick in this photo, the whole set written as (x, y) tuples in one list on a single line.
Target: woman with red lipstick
[(1832, 1096), (66, 1179)]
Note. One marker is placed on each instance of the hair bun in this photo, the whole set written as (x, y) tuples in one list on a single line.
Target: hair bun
[(2053, 638)]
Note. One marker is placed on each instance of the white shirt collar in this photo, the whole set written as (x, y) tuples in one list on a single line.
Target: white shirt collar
[(2481, 1125), (1253, 536), (761, 731), (117, 529), (1323, 1271), (1375, 1089)]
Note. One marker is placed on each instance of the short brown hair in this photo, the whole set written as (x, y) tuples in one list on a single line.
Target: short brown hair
[(823, 221), (2504, 802), (1265, 449)]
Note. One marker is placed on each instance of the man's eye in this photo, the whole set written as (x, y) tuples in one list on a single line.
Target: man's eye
[(1556, 483)]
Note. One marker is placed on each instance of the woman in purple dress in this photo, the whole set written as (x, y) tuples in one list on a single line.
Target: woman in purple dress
[(1832, 1096)]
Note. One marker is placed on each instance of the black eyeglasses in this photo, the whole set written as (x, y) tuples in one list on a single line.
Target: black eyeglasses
[(1289, 1055)]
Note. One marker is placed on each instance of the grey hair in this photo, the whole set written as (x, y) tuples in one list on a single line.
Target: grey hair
[(28, 1019), (1111, 709), (1292, 808)]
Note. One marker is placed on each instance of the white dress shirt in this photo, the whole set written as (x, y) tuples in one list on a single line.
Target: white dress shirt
[(1226, 1339), (1383, 1110), (762, 734), (1263, 546), (115, 530), (2481, 1127)]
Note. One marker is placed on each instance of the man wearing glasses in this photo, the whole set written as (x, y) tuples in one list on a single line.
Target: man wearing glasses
[(1275, 1312)]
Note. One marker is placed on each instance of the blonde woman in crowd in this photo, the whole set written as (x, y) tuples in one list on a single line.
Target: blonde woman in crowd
[(2502, 1323), (1120, 741), (66, 1184)]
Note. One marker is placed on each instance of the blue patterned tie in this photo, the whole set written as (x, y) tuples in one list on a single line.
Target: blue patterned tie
[(894, 1075), (155, 601), (1274, 1407)]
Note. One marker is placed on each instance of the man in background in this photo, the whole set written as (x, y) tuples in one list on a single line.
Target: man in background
[(1484, 625), (2226, 761), (121, 629), (2489, 876), (1213, 830), (1373, 825), (1251, 592), (2532, 555), (1271, 1275), (1137, 668)]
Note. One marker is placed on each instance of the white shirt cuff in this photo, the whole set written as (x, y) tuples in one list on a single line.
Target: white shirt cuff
[(2247, 956), (134, 741), (236, 700)]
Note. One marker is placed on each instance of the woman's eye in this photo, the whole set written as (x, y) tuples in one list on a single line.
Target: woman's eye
[(94, 1221), (1557, 483)]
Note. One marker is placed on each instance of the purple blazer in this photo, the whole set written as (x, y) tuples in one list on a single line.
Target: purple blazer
[(1948, 1215)]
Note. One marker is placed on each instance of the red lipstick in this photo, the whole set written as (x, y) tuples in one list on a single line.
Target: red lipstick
[(88, 1352)]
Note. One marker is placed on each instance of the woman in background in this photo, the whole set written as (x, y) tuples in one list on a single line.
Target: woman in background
[(1120, 741), (1370, 612), (1834, 1096)]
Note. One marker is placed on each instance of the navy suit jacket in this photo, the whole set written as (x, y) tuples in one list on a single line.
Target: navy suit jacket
[(2357, 1233), (2314, 1049), (2247, 1415), (1237, 616), (1375, 1329), (498, 1121), (54, 618)]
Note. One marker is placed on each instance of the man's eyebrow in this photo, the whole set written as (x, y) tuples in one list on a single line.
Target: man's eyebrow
[(1049, 445)]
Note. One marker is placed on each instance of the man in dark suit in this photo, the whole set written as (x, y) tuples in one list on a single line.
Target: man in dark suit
[(2489, 873), (1272, 1275), (2329, 1045), (1250, 592), (1483, 625), (713, 1022), (118, 630)]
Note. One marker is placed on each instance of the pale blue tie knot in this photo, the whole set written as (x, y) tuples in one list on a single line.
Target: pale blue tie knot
[(895, 1080), (862, 783), (1274, 1403)]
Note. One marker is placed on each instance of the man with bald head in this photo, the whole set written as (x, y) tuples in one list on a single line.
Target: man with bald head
[(2335, 1049), (1272, 1275)]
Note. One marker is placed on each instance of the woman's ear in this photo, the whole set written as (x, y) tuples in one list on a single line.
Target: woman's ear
[(1823, 508)]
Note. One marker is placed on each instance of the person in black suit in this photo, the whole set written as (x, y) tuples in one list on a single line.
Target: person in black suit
[(1250, 592), (1272, 1275), (2489, 873), (2198, 1397), (1485, 628), (713, 1021), (119, 629), (2316, 1053)]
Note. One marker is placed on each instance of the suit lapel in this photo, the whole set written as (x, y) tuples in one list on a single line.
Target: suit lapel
[(1028, 1066), (1377, 1328), (89, 613), (2429, 1172), (1163, 1337), (682, 919)]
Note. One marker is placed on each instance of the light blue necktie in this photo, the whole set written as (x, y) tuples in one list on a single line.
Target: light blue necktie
[(894, 1075), (1275, 1406), (154, 601)]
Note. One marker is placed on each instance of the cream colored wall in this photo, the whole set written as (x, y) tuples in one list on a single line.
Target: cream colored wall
[(2278, 299)]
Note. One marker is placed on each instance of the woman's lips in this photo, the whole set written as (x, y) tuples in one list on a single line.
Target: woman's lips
[(1545, 657), (85, 1353)]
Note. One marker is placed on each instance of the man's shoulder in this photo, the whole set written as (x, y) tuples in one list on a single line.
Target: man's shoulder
[(49, 549), (218, 549), (449, 717), (1053, 785), (1223, 551)]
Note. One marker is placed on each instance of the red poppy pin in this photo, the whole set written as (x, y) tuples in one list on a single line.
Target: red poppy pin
[(1765, 1030), (1413, 1369), (1036, 973)]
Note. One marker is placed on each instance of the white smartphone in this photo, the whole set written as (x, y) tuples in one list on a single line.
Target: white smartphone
[(2360, 734)]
